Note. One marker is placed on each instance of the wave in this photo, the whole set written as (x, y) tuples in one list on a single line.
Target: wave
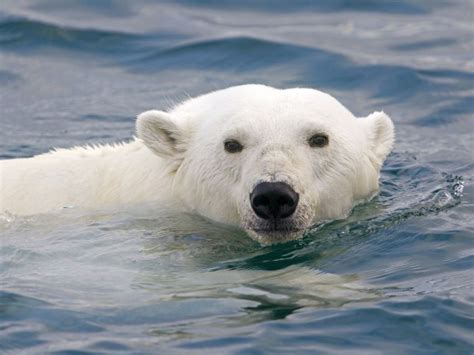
[(328, 6), (253, 59), (308, 65), (26, 34)]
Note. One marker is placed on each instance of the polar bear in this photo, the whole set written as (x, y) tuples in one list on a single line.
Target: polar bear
[(272, 161)]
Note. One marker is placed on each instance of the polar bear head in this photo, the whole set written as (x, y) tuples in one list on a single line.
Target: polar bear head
[(272, 161)]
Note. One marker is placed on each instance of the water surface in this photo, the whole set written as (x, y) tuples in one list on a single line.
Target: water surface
[(396, 276)]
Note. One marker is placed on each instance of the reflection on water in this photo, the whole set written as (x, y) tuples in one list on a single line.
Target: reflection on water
[(396, 274)]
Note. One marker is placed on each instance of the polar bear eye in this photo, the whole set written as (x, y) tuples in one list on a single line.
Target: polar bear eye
[(232, 146), (319, 140)]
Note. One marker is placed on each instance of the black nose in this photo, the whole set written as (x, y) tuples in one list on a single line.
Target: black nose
[(273, 200)]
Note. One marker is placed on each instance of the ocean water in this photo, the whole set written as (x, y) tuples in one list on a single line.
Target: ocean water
[(395, 277)]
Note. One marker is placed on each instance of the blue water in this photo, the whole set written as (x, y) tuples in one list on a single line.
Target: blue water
[(395, 277)]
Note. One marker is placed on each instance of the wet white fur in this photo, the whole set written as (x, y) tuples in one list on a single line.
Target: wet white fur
[(179, 158)]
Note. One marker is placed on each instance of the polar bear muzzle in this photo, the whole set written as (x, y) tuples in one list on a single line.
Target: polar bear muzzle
[(274, 200)]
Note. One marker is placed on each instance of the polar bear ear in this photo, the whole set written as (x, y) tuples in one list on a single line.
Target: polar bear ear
[(161, 134), (381, 134)]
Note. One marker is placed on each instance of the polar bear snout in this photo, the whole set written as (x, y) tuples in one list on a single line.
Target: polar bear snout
[(273, 200)]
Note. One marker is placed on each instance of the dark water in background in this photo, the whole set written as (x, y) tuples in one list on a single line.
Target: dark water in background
[(396, 277)]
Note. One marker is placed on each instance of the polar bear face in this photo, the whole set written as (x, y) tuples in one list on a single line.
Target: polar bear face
[(272, 161)]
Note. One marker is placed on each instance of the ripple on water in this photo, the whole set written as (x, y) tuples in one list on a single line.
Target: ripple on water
[(396, 274)]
